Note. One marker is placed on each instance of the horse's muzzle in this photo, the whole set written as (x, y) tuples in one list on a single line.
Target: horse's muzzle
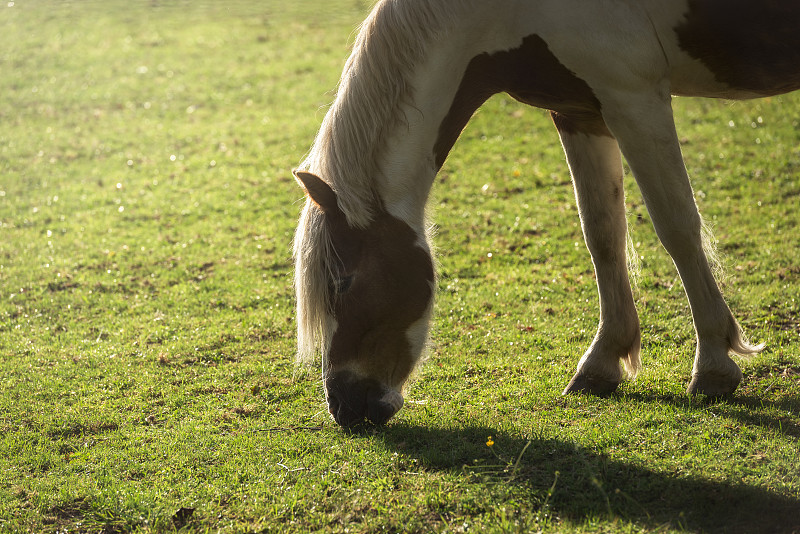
[(352, 399)]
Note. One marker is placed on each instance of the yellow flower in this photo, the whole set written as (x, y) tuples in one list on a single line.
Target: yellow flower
[(489, 442)]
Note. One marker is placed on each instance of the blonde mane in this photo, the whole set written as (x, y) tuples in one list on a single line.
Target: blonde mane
[(390, 44)]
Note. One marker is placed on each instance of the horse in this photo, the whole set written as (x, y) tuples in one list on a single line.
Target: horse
[(606, 71)]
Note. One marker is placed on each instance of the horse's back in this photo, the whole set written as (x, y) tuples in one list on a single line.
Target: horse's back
[(715, 48)]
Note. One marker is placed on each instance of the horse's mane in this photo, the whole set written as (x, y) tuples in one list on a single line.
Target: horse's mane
[(390, 43)]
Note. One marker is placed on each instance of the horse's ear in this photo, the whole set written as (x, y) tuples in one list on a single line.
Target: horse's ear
[(318, 191)]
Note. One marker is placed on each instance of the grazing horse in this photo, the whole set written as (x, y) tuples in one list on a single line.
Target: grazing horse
[(606, 70)]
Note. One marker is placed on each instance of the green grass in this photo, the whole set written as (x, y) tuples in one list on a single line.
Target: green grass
[(147, 380)]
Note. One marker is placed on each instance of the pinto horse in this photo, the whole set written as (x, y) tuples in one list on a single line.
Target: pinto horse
[(606, 70)]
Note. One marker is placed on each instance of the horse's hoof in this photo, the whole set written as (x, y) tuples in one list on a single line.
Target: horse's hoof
[(713, 384), (592, 385)]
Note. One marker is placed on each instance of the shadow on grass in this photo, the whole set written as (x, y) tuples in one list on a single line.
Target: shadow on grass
[(590, 485), (781, 416)]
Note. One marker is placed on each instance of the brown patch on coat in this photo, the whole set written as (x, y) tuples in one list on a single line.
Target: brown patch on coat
[(531, 74), (589, 125), (389, 287), (751, 46), (381, 284)]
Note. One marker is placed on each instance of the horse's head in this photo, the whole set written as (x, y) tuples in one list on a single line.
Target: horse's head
[(379, 293)]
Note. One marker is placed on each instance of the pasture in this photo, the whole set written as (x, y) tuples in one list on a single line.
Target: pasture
[(147, 376)]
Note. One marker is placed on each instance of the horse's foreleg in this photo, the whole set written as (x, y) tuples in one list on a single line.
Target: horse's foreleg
[(596, 167), (644, 127)]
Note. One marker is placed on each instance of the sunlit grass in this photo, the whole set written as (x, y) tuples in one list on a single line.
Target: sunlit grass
[(146, 311)]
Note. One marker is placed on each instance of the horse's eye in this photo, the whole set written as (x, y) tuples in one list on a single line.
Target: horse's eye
[(341, 285)]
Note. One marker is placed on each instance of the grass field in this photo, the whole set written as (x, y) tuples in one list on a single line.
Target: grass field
[(147, 377)]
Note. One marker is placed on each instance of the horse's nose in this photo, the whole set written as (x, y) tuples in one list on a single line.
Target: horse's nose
[(352, 399), (343, 408), (383, 408)]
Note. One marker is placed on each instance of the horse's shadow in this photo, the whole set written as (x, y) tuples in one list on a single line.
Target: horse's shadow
[(743, 408), (575, 483)]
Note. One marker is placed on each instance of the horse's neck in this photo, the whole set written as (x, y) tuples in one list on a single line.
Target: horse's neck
[(409, 162)]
